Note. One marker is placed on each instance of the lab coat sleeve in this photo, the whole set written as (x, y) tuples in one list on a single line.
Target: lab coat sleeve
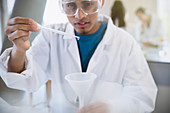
[(138, 89), (36, 63)]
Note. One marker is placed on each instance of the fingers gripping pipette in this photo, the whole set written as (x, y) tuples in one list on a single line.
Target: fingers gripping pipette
[(56, 31)]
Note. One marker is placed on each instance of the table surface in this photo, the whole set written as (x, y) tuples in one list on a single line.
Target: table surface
[(159, 54)]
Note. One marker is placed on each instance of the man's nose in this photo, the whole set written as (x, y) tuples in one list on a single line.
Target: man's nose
[(80, 14)]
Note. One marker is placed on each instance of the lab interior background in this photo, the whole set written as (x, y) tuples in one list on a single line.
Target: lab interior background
[(158, 7), (52, 14)]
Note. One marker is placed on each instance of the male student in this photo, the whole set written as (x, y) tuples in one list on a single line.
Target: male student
[(124, 82)]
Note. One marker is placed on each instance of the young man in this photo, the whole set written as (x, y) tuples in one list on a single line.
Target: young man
[(124, 82), (152, 32)]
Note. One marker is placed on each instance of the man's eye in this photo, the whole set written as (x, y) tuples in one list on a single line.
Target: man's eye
[(88, 4), (71, 5)]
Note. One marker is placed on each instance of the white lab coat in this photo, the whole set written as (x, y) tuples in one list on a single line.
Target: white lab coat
[(155, 32), (123, 80)]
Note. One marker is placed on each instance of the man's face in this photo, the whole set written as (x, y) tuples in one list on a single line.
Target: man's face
[(84, 24)]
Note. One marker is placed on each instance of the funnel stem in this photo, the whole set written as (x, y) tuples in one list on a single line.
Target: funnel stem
[(81, 101)]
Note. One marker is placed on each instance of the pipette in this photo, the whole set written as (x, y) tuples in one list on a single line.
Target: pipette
[(56, 31)]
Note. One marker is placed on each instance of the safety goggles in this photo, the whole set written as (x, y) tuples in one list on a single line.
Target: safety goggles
[(72, 7)]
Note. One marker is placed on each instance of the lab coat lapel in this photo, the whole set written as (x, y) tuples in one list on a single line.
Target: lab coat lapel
[(104, 45), (72, 46)]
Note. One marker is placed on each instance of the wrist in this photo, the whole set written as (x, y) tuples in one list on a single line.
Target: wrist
[(16, 55), (18, 50)]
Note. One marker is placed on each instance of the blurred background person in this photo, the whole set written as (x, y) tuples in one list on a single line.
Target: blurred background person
[(118, 14), (152, 32), (120, 19)]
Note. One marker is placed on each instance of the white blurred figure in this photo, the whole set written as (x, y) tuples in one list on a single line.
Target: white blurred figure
[(152, 32)]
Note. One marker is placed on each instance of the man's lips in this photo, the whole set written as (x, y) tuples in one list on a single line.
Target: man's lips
[(82, 24)]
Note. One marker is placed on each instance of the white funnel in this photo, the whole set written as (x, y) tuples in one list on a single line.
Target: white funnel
[(80, 82)]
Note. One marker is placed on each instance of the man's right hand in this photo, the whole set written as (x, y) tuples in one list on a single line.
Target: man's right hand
[(19, 30)]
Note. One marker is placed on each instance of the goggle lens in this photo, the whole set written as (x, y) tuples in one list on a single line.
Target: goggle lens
[(70, 8)]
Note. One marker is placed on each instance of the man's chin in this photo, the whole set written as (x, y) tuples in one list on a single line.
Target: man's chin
[(82, 31)]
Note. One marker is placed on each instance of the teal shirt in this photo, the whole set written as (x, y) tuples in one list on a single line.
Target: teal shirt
[(87, 45)]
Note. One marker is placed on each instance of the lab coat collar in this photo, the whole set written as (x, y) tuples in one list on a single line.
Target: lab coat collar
[(73, 47), (110, 30), (106, 41)]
